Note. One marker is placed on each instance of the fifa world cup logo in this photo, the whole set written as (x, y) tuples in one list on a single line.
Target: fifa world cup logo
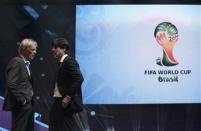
[(166, 35)]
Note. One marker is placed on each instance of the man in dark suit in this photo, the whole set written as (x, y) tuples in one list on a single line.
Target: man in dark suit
[(68, 84), (19, 90)]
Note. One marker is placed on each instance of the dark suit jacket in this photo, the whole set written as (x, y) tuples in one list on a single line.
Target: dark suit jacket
[(18, 85), (69, 78)]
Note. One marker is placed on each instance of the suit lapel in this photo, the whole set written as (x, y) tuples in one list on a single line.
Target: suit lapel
[(25, 68)]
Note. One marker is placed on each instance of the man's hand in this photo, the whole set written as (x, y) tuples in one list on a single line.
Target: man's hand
[(66, 101)]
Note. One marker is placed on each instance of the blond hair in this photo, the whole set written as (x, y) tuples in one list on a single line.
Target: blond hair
[(24, 44)]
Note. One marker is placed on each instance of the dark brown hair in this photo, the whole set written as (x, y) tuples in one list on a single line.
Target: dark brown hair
[(61, 43)]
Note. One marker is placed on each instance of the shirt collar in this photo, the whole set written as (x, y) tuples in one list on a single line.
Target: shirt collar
[(25, 60), (63, 57)]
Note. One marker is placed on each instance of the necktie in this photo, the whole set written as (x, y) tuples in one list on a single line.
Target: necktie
[(60, 64), (27, 65)]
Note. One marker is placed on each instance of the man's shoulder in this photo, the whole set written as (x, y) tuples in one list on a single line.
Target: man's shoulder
[(15, 60), (70, 59)]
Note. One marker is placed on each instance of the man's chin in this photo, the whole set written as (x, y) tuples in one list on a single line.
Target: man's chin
[(31, 58), (56, 56)]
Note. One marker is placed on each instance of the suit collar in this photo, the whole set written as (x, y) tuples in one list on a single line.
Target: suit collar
[(24, 59), (25, 66)]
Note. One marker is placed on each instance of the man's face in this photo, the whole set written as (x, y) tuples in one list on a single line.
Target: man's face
[(30, 52), (58, 52)]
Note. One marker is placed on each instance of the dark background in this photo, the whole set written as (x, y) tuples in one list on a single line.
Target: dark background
[(56, 18)]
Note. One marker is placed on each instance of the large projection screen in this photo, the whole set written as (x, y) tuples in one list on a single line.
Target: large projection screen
[(139, 54)]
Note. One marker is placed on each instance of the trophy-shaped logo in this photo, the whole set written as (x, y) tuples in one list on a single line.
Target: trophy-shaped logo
[(166, 35)]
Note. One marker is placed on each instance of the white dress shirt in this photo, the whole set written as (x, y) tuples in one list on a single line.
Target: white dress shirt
[(57, 94)]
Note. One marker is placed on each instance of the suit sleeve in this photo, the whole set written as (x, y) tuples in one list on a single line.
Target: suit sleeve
[(15, 81), (76, 78)]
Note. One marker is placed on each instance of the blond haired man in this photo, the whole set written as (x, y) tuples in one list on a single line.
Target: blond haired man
[(19, 90)]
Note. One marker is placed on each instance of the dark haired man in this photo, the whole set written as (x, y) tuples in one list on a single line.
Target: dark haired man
[(68, 84)]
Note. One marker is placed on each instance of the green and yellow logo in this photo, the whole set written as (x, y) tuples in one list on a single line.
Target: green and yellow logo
[(166, 35)]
